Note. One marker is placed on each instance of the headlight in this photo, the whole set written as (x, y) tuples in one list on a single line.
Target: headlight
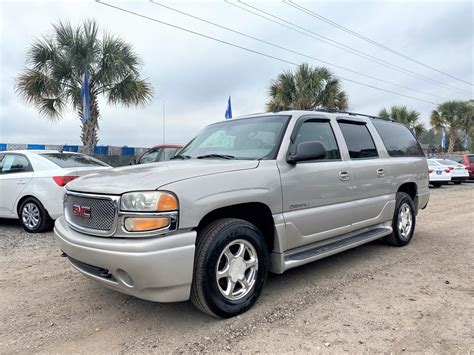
[(148, 201)]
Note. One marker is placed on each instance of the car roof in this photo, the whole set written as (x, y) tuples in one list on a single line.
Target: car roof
[(38, 151), (167, 146)]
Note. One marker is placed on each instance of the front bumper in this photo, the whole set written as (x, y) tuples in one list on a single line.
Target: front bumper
[(154, 268)]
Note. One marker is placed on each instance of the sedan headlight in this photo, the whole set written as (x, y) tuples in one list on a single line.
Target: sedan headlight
[(148, 201)]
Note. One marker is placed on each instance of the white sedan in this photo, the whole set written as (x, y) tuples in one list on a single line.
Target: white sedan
[(459, 172), (32, 184), (439, 174)]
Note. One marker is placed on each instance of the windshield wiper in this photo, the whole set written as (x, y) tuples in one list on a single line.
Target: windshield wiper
[(223, 156), (181, 156)]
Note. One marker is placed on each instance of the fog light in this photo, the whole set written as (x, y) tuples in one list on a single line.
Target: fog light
[(139, 224)]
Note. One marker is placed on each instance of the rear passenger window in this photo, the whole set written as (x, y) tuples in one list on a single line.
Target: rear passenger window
[(12, 163), (398, 139), (321, 131), (358, 140)]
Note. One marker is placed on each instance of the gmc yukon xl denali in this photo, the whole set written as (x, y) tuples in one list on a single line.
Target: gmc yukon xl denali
[(247, 196)]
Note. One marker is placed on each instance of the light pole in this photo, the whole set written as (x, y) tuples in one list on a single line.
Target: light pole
[(163, 114)]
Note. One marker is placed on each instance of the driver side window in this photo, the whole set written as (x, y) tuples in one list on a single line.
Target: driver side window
[(320, 131)]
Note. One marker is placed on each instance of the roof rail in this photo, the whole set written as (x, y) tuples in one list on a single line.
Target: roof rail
[(332, 110)]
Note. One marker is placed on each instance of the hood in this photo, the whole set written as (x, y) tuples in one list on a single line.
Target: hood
[(152, 176)]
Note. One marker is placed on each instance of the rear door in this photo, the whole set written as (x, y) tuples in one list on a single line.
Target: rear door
[(15, 174), (371, 193), (317, 200)]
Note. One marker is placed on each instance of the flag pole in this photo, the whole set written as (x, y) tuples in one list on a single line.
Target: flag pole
[(163, 114)]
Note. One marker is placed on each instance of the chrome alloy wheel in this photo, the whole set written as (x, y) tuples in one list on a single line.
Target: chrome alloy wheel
[(236, 270), (405, 220), (30, 215)]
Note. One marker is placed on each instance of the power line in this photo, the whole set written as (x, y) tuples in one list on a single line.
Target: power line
[(289, 50), (252, 50), (378, 44), (287, 24)]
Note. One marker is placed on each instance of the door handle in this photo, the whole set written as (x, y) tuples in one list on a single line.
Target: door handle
[(344, 176), (380, 172)]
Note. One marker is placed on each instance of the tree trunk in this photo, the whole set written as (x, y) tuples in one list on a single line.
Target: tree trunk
[(89, 135), (452, 139)]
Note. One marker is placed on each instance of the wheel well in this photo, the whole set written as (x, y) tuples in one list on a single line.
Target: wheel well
[(410, 188), (21, 200), (256, 213)]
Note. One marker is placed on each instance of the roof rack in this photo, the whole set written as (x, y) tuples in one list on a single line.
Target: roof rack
[(332, 110)]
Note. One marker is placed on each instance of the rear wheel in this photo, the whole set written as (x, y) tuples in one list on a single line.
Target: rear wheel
[(436, 184), (404, 220), (33, 216), (230, 268), (457, 182)]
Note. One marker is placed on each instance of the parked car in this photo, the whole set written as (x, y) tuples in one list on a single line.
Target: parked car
[(459, 172), (262, 193), (439, 174), (31, 184), (158, 153), (468, 161)]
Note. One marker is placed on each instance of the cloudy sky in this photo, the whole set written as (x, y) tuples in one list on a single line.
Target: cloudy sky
[(194, 75)]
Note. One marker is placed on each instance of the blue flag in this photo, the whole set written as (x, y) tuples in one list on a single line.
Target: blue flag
[(228, 112), (443, 138), (86, 99)]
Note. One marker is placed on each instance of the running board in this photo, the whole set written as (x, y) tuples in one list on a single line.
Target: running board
[(326, 248)]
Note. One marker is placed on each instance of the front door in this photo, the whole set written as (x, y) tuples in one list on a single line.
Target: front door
[(15, 173), (316, 194)]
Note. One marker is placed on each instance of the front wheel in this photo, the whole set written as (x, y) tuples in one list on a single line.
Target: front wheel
[(230, 268), (457, 182), (404, 219)]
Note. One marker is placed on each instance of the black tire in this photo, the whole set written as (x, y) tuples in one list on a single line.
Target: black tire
[(457, 182), (211, 243), (396, 238), (436, 185), (44, 220)]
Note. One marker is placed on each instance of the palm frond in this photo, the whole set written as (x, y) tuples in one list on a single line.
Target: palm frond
[(130, 91)]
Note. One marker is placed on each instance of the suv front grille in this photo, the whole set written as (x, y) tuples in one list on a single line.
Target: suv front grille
[(94, 214)]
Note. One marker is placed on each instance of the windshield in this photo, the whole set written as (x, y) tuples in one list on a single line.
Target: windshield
[(448, 162), (249, 138), (68, 160)]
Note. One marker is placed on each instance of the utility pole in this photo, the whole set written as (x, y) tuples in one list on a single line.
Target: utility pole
[(163, 114)]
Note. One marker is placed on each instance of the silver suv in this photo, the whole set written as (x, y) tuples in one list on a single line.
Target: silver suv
[(261, 193)]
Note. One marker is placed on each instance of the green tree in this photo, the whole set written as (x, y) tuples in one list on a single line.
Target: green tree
[(56, 65), (409, 118), (306, 88), (453, 116)]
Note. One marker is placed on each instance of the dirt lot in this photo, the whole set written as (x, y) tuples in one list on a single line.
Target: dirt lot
[(374, 298)]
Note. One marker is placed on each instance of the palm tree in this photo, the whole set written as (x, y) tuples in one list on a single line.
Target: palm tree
[(306, 88), (56, 66), (409, 118), (453, 115)]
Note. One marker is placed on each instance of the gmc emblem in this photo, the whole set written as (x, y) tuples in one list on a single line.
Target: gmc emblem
[(81, 211)]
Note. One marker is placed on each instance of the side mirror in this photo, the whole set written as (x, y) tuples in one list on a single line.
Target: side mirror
[(133, 161), (312, 150)]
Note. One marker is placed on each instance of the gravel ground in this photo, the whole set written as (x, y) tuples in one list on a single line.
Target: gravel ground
[(371, 299)]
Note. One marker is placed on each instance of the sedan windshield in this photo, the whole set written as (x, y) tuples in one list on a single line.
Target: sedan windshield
[(248, 138)]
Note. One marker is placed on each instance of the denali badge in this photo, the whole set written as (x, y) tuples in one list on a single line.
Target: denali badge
[(81, 211)]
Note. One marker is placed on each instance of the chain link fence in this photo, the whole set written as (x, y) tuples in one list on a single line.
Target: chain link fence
[(112, 155)]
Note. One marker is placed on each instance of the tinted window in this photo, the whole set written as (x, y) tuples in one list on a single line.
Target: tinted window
[(13, 163), (149, 157), (358, 140), (398, 139), (67, 160), (320, 131), (471, 158)]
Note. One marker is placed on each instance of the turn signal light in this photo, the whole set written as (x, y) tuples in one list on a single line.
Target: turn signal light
[(430, 171), (63, 180), (139, 224), (167, 202), (447, 170)]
